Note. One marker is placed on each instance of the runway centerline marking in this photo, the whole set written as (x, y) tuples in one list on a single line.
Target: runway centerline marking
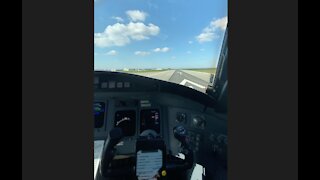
[(193, 83)]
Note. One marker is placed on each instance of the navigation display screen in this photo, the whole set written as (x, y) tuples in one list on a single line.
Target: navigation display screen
[(99, 109), (150, 119)]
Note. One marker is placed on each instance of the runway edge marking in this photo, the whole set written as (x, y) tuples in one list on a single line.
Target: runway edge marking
[(193, 83)]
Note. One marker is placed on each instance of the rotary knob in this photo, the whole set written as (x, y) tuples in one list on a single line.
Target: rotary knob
[(181, 117), (198, 121)]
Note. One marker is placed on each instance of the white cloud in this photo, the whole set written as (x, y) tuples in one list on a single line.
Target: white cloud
[(119, 19), (190, 42), (140, 31), (122, 34), (206, 37), (112, 53), (188, 52), (209, 33), (136, 15), (164, 49), (141, 53), (220, 23)]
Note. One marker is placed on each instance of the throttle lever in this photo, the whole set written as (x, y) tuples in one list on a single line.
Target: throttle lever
[(180, 133)]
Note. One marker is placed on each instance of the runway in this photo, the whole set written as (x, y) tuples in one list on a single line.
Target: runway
[(192, 79)]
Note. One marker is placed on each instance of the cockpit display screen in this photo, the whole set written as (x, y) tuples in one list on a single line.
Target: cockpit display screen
[(150, 119), (99, 109), (126, 120)]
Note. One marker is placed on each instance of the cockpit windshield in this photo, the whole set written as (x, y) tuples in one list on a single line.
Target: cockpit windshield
[(177, 41)]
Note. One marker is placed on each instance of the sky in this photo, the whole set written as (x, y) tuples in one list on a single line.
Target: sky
[(144, 34)]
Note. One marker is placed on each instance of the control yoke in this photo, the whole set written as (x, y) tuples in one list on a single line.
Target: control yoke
[(173, 163)]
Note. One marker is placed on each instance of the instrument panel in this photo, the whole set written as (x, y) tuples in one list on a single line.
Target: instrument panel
[(137, 112), (132, 115)]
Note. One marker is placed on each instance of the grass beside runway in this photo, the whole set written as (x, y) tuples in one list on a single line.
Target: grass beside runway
[(205, 70)]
